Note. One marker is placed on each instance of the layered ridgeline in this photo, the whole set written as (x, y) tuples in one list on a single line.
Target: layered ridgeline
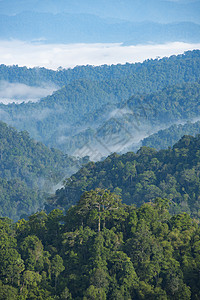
[(29, 171), (139, 117), (65, 28), (168, 137), (137, 11), (90, 98), (101, 249), (128, 22), (146, 77), (141, 177), (122, 127)]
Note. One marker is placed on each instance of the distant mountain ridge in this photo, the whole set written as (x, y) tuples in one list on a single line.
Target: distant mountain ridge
[(87, 28), (131, 10)]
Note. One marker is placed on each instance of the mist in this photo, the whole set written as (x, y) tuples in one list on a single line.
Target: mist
[(52, 56), (18, 92), (128, 138)]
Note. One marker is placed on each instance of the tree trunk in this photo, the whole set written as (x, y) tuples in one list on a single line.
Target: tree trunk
[(104, 219), (99, 223)]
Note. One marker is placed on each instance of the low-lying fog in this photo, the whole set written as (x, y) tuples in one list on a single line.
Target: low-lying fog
[(53, 56), (18, 92)]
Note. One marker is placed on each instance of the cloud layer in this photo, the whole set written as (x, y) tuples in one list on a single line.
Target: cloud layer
[(53, 56), (17, 92)]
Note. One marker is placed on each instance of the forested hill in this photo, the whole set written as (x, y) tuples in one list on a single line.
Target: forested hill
[(141, 177), (168, 137), (28, 170), (148, 76), (103, 250), (121, 128), (75, 107)]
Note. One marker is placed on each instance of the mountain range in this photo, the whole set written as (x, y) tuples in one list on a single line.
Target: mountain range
[(94, 104), (85, 28), (163, 11), (141, 177), (29, 172), (94, 112), (99, 166), (127, 22)]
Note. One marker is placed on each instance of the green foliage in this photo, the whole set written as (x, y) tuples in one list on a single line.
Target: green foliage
[(7, 292), (28, 171), (168, 137), (102, 248), (146, 254), (144, 176), (87, 95)]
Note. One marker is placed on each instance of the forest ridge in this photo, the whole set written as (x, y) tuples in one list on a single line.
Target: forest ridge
[(123, 227)]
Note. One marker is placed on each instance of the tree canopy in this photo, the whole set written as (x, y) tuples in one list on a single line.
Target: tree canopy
[(141, 177), (28, 172), (101, 249)]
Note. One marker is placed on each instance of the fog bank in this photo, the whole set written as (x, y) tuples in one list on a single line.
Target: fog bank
[(18, 92), (53, 56)]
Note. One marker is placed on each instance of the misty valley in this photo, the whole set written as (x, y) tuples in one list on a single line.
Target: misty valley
[(100, 181), (95, 111)]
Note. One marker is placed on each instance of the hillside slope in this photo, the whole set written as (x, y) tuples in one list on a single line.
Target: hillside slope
[(90, 95), (141, 177), (127, 124), (168, 137), (29, 171), (101, 249)]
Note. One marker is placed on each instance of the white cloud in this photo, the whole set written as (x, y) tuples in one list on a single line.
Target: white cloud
[(69, 55), (17, 92)]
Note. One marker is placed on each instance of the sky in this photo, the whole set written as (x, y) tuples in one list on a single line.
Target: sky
[(52, 56)]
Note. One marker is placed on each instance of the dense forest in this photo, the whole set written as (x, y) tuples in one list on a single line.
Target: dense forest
[(146, 77), (168, 137), (143, 114), (29, 171), (87, 97), (99, 165), (140, 177), (124, 227), (101, 249), (136, 118)]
